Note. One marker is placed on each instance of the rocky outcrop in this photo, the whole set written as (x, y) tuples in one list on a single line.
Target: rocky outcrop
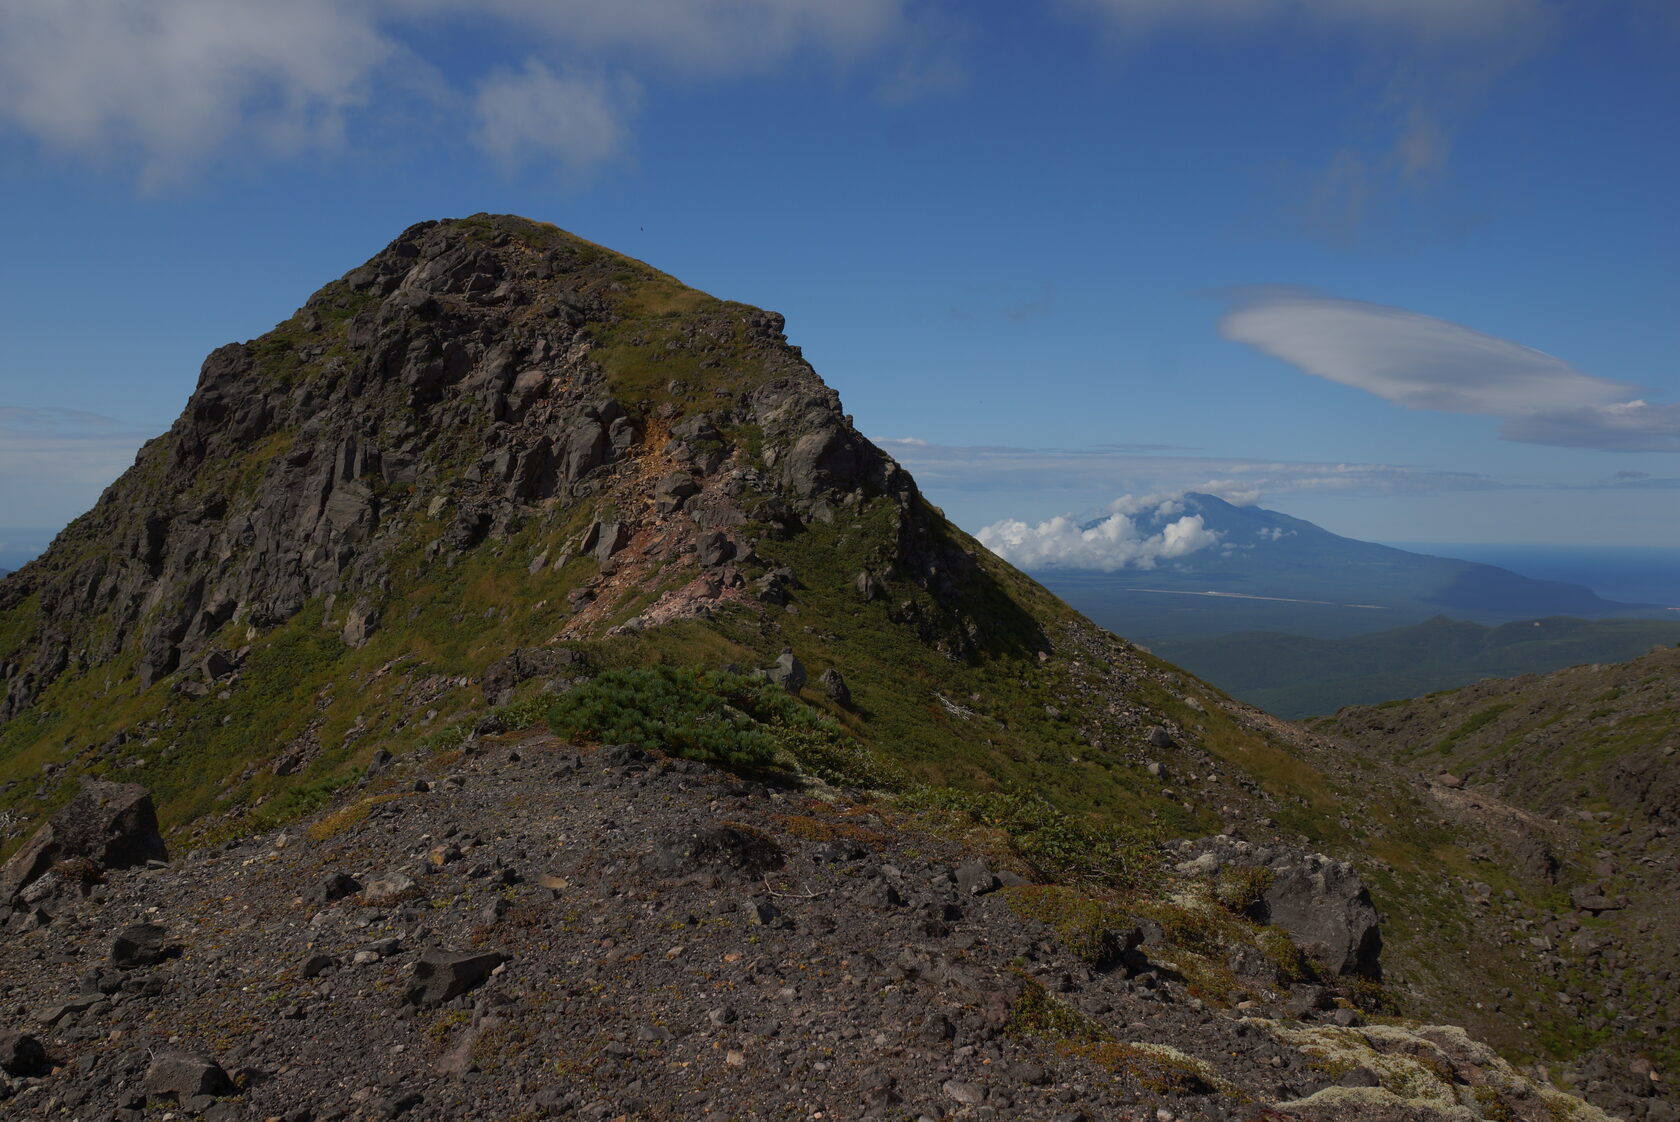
[(1320, 902), (110, 824)]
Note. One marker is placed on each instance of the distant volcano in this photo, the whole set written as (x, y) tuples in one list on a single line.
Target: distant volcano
[(1261, 568)]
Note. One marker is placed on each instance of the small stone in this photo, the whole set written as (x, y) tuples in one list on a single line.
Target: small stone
[(390, 889)]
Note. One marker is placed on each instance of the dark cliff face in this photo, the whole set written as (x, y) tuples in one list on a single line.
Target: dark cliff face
[(478, 374)]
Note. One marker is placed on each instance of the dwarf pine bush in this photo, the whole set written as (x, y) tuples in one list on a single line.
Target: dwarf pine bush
[(728, 720)]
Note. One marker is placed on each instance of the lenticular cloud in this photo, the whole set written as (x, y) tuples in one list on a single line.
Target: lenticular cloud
[(1423, 362)]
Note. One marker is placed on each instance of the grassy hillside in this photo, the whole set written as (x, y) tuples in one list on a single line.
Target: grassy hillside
[(1591, 756)]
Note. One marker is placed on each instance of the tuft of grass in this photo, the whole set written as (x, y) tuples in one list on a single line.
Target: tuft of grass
[(345, 817), (1056, 844), (1088, 927), (1240, 887), (1037, 1013)]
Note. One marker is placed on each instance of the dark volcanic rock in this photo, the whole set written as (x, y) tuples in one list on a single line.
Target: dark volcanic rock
[(1327, 910), (21, 1054), (442, 975), (834, 687), (112, 824), (524, 664), (186, 1074), (139, 944), (1321, 903)]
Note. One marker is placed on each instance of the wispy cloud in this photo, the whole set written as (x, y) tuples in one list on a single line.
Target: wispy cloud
[(1423, 362), (1424, 21), (55, 462), (579, 119), (1146, 470), (1429, 63), (167, 85)]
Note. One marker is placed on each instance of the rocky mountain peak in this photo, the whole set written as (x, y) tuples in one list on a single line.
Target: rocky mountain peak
[(474, 377)]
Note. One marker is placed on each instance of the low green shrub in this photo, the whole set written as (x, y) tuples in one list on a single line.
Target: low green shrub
[(1057, 845), (1240, 887), (1092, 929), (728, 720)]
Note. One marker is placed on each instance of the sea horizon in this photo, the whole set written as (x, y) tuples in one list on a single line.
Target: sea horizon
[(1629, 574)]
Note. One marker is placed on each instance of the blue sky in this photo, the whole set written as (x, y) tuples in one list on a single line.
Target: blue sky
[(1406, 268)]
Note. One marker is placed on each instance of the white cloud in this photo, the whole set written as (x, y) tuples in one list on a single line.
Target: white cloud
[(708, 36), (1115, 542), (535, 113), (166, 85), (168, 79), (1423, 362)]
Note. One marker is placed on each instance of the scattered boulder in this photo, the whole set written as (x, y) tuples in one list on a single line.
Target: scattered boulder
[(334, 886), (1327, 910), (440, 975), (360, 624), (1592, 898), (1322, 904), (834, 687), (606, 538), (672, 491), (21, 1055), (393, 888), (713, 549), (974, 878), (186, 1074), (139, 944), (789, 672), (113, 824), (522, 665)]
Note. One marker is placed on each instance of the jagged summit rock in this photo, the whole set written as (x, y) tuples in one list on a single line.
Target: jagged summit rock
[(471, 375)]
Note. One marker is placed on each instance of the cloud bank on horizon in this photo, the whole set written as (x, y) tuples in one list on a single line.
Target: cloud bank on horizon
[(60, 459), (1422, 362)]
